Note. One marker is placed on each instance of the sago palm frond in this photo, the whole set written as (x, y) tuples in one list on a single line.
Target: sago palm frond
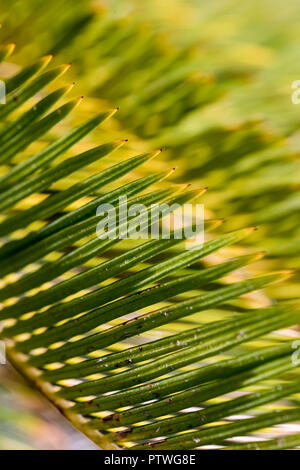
[(143, 344), (218, 101)]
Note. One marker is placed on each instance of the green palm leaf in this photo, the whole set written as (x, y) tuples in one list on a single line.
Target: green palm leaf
[(126, 337)]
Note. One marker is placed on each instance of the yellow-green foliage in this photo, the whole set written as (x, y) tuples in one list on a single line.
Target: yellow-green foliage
[(212, 86)]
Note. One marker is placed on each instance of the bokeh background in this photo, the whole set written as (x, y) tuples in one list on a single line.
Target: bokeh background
[(210, 82)]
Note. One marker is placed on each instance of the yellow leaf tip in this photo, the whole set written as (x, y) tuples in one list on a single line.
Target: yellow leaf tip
[(66, 67), (253, 257), (211, 224), (46, 59), (249, 230), (78, 100), (70, 86), (257, 256), (200, 191), (282, 275), (112, 112), (168, 173), (67, 88), (219, 221), (10, 48), (154, 154)]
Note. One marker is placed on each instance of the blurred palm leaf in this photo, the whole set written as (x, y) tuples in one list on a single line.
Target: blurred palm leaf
[(139, 344), (218, 97)]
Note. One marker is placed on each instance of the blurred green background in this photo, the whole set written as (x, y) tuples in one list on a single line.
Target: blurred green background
[(208, 81)]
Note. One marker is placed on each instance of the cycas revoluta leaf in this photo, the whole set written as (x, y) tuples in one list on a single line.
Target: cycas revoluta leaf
[(9, 131), (124, 336), (20, 78), (6, 51)]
